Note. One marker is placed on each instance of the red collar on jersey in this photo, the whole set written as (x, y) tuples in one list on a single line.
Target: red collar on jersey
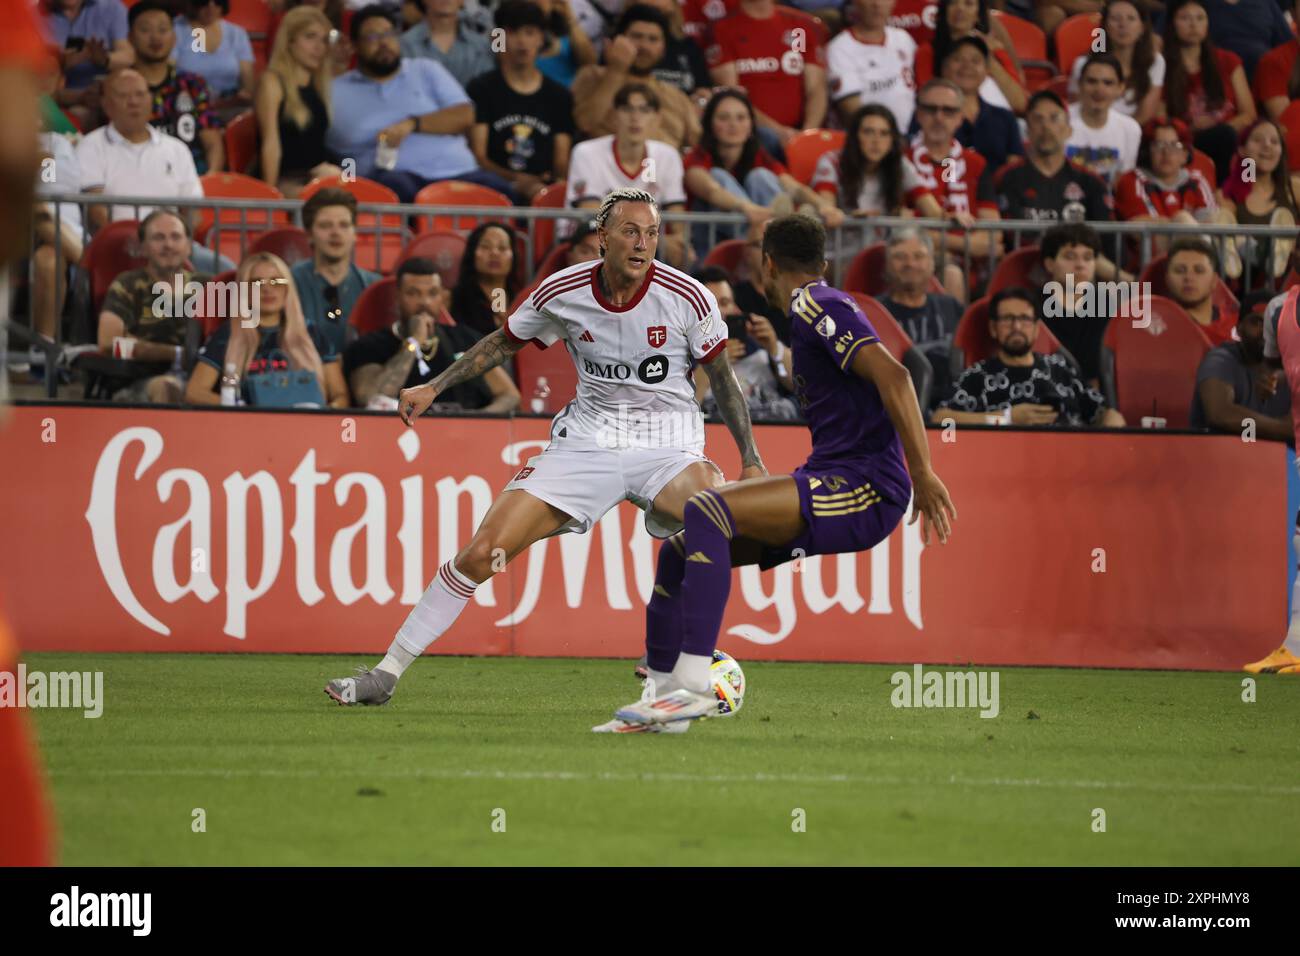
[(611, 307)]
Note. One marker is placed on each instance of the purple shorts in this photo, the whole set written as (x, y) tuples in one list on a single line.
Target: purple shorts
[(844, 513)]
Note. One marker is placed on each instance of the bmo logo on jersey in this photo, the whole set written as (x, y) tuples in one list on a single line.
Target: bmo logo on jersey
[(615, 371), (653, 370)]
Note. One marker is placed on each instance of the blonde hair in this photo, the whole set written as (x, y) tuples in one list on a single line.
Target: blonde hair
[(283, 65), (295, 341)]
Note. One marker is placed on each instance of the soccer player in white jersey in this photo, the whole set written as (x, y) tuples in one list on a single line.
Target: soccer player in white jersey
[(634, 327)]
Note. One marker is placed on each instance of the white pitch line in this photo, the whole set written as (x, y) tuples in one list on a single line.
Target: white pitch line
[(653, 777)]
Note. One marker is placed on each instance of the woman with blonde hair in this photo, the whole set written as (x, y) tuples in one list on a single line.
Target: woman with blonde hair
[(278, 338), (293, 103)]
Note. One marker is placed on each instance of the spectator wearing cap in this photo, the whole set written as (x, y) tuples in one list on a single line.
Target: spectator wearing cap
[(155, 325), (523, 120), (217, 50), (413, 108), (1164, 187), (329, 283), (1234, 385), (181, 105), (991, 131), (419, 346), (631, 56), (1018, 386), (444, 37), (584, 244), (1191, 273)]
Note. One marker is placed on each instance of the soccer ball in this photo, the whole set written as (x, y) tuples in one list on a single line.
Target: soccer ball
[(728, 683)]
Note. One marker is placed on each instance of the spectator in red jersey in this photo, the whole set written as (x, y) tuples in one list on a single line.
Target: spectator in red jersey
[(955, 176), (1005, 84), (1164, 187), (1205, 87), (783, 71), (917, 17), (1277, 75), (1190, 276), (1127, 34), (731, 171), (1260, 191), (699, 16)]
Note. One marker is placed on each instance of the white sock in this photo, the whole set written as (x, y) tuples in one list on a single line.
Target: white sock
[(662, 681), (1292, 642), (692, 671), (436, 611)]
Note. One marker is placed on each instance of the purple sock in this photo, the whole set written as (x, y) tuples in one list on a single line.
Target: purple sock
[(663, 615), (707, 582)]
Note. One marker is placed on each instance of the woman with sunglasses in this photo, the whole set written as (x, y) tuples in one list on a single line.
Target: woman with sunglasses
[(217, 50), (277, 336)]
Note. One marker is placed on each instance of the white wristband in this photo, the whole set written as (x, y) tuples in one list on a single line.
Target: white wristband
[(780, 352)]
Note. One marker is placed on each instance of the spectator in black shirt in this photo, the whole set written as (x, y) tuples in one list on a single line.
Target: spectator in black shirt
[(1018, 386), (487, 282), (523, 120), (1233, 385), (419, 346), (991, 131), (1043, 185), (1075, 313), (683, 64), (929, 318)]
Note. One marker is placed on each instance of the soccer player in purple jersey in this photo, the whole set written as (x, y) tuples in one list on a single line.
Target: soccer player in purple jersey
[(869, 456)]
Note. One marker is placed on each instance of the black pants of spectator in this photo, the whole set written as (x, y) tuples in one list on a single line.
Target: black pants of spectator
[(1219, 143), (406, 185)]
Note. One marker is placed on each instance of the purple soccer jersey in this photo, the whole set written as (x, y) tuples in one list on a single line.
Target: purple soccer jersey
[(849, 424)]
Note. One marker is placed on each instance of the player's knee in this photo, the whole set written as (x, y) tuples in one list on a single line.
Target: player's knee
[(481, 559)]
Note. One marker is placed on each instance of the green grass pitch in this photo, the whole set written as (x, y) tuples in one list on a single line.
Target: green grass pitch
[(1185, 771)]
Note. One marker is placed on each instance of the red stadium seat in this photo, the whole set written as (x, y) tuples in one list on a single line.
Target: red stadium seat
[(900, 346), (972, 342), (1152, 370), (553, 364), (381, 251), (866, 273), (364, 190), (1015, 269), (233, 236), (453, 192), (114, 249), (1202, 163), (289, 243), (726, 255), (1030, 46), (1074, 39), (548, 197), (1290, 123), (241, 142), (1154, 272), (808, 146), (255, 17), (444, 248), (1060, 85), (556, 259), (376, 307)]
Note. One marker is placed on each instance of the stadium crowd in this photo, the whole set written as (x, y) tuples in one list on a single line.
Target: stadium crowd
[(1178, 114)]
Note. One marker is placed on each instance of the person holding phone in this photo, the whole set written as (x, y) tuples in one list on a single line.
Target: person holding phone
[(93, 36)]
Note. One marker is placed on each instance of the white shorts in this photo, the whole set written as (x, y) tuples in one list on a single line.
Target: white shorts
[(585, 481)]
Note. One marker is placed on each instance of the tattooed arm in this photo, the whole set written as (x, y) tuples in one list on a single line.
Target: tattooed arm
[(387, 379), (735, 412), (487, 353)]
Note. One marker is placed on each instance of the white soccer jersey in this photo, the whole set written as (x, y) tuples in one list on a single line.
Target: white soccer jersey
[(633, 361), (594, 170), (876, 72)]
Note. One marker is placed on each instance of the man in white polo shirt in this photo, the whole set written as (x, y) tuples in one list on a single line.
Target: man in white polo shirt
[(128, 157), (631, 158)]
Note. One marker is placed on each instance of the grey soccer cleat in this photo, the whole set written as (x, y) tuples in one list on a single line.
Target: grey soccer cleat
[(368, 687)]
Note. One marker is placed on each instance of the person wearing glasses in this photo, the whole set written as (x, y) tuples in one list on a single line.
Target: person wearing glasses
[(1018, 386), (329, 283), (280, 339), (1164, 187), (217, 50), (404, 122)]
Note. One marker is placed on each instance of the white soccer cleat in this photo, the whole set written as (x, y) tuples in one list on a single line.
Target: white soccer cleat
[(676, 706), (617, 726)]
